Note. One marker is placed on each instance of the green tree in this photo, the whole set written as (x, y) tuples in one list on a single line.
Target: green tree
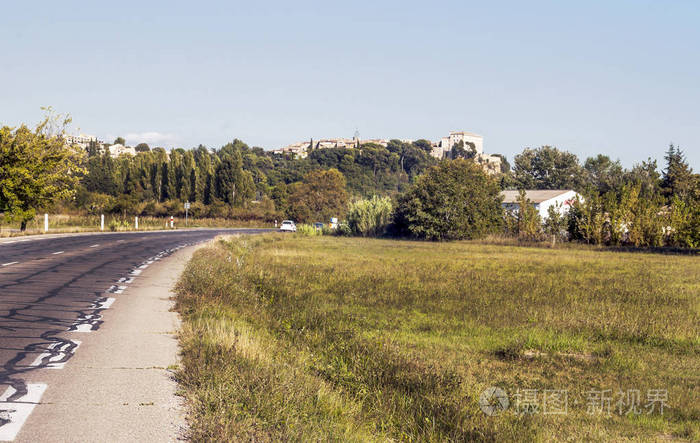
[(119, 141), (233, 185), (451, 201), (547, 168), (321, 196), (678, 180), (555, 223), (142, 147), (529, 222), (603, 174), (36, 168)]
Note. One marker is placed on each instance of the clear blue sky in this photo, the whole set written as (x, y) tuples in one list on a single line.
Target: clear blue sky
[(613, 77)]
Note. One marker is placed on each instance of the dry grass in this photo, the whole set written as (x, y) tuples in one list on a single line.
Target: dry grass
[(327, 338), (64, 223)]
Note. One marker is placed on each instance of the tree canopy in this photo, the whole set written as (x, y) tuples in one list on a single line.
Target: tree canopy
[(37, 168), (451, 201)]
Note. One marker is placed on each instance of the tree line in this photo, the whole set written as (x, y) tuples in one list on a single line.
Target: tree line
[(39, 172)]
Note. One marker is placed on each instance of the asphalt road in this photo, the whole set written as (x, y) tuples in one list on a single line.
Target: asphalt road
[(52, 285)]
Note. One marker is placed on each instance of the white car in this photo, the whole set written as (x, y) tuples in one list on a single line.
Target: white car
[(288, 226)]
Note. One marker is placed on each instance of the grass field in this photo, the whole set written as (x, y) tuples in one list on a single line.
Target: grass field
[(328, 338)]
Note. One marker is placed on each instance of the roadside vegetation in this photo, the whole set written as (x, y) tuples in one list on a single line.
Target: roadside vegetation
[(287, 337), (396, 189), (64, 223)]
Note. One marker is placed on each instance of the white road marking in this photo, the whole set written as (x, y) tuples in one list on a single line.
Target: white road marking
[(10, 263), (114, 289), (82, 327), (84, 324), (126, 280), (135, 272), (55, 360), (18, 411), (105, 304), (94, 246), (57, 252)]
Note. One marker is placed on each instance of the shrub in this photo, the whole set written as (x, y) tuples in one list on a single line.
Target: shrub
[(119, 225), (308, 230), (370, 218), (343, 230), (452, 201), (529, 222), (685, 224)]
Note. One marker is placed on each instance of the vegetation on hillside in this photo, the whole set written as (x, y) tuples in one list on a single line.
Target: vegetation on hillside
[(431, 199)]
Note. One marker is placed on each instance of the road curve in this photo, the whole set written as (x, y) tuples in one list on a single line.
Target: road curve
[(52, 285)]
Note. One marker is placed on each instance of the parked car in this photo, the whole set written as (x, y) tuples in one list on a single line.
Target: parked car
[(288, 225)]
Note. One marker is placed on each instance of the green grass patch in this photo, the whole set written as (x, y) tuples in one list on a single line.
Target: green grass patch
[(347, 339)]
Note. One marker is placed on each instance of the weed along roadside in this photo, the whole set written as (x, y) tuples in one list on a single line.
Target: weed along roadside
[(287, 337)]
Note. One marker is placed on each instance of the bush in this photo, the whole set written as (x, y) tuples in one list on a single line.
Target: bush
[(308, 230), (119, 225), (452, 201), (685, 224), (343, 230), (370, 218)]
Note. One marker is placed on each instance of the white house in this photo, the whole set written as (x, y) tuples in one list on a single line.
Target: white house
[(118, 149), (541, 199)]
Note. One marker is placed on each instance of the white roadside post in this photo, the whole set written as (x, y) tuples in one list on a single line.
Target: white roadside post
[(136, 223), (172, 222), (187, 208), (102, 222), (46, 222)]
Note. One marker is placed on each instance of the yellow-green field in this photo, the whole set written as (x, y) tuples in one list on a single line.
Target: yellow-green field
[(328, 338)]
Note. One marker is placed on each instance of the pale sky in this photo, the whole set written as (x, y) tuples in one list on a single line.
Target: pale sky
[(612, 77)]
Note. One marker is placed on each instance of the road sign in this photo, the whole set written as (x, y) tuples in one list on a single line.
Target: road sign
[(187, 205)]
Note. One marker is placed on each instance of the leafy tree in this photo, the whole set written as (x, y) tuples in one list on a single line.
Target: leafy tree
[(142, 147), (462, 150), (587, 219), (451, 201), (529, 222), (321, 196), (603, 174), (678, 179), (547, 168), (555, 224), (685, 223), (646, 176), (423, 145), (233, 185), (119, 141), (36, 169)]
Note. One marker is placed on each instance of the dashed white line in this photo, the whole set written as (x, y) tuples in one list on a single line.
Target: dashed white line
[(57, 252), (54, 361), (17, 412), (105, 304), (94, 246), (10, 263)]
